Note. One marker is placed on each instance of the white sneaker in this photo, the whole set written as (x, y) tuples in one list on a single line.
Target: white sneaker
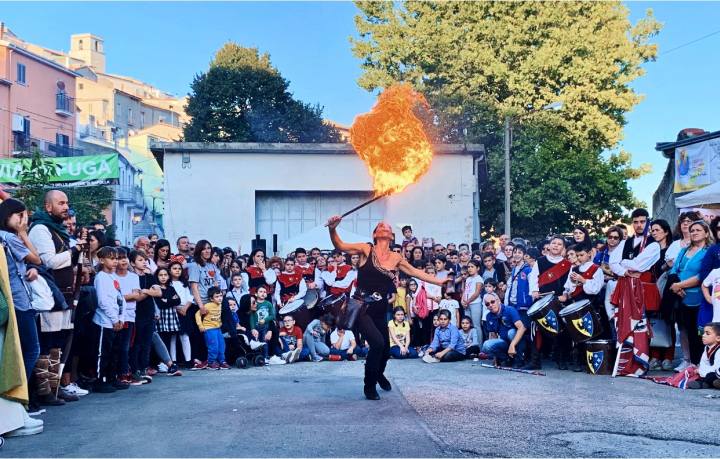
[(318, 358), (427, 358), (254, 345), (162, 368), (655, 364), (32, 426), (294, 356), (275, 360), (667, 365), (73, 388), (683, 366), (286, 356)]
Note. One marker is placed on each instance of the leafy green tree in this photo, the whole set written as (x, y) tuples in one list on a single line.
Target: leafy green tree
[(478, 62), (243, 98)]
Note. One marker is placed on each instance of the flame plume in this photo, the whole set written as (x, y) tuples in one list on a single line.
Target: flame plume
[(391, 140)]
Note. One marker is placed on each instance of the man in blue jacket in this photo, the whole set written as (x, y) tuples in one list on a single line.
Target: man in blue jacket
[(506, 333)]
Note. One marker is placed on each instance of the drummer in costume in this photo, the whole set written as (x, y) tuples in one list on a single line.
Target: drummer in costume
[(290, 285), (339, 277), (308, 271), (633, 263), (375, 278), (585, 282), (259, 274), (548, 276)]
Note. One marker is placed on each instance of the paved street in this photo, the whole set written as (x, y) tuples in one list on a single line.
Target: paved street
[(317, 410)]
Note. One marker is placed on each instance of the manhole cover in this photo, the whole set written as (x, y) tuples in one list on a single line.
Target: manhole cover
[(593, 444)]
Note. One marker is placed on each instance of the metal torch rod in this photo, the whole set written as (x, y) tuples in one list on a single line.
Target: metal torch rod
[(356, 208)]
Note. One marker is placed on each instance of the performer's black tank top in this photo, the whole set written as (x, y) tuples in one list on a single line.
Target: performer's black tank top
[(374, 278)]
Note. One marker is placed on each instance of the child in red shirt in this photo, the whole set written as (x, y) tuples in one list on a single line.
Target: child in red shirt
[(291, 340)]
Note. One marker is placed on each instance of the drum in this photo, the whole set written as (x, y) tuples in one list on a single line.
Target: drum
[(581, 320), (600, 356), (332, 304), (311, 298), (300, 313), (545, 312)]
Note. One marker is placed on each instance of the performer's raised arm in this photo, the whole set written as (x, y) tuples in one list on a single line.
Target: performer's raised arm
[(357, 248)]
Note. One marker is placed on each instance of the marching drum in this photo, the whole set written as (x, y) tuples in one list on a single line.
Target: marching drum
[(581, 320), (599, 355), (545, 312), (299, 311), (311, 298), (332, 304)]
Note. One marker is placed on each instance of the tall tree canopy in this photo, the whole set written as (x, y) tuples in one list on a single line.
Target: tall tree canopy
[(243, 98), (478, 62)]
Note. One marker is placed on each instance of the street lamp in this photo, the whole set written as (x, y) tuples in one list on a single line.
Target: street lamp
[(554, 106)]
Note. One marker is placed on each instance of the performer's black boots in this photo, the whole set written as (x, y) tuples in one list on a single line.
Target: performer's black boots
[(384, 383), (371, 393)]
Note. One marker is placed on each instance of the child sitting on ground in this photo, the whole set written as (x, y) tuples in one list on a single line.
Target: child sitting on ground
[(470, 338), (400, 336), (447, 344), (709, 368), (210, 325), (291, 340), (314, 346), (344, 346)]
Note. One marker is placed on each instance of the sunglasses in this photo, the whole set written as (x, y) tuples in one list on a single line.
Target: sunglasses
[(613, 237), (488, 303)]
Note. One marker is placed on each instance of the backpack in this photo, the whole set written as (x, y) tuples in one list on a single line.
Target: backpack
[(421, 309)]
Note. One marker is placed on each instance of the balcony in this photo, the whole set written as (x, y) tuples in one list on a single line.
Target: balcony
[(24, 146), (132, 195), (64, 105)]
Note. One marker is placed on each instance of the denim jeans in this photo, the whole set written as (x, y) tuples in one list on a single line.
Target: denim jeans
[(395, 353), (357, 352), (313, 346), (140, 352), (29, 342), (497, 348), (215, 345)]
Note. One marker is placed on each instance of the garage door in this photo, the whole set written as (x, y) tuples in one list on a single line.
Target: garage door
[(291, 213)]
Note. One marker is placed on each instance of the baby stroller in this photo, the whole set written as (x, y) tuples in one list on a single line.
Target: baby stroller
[(238, 350)]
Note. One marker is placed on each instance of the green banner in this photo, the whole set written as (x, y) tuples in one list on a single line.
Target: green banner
[(94, 169)]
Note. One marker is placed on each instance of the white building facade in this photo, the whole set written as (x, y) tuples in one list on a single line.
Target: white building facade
[(230, 192)]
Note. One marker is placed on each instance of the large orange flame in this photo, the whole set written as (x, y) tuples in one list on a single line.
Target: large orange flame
[(391, 140)]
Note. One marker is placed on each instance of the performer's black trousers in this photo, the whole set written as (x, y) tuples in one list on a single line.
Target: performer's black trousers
[(373, 326)]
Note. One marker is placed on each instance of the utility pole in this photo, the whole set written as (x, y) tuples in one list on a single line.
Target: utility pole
[(508, 121)]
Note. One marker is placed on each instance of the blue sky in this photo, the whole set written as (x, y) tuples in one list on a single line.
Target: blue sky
[(167, 43)]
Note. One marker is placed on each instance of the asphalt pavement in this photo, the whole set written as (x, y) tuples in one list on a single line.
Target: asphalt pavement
[(440, 410)]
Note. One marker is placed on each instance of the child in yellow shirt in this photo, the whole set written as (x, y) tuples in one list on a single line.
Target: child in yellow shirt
[(209, 324)]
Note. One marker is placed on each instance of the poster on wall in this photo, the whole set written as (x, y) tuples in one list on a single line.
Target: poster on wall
[(697, 165)]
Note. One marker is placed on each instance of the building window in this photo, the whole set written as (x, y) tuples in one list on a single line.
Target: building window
[(21, 73), (142, 120), (81, 86), (80, 45), (62, 140), (97, 46), (130, 116)]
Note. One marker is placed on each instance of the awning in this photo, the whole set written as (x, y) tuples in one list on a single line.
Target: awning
[(705, 196)]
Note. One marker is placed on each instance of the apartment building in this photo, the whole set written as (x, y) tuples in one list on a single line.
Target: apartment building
[(37, 102)]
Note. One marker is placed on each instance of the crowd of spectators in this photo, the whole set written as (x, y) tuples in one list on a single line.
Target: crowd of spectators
[(90, 315)]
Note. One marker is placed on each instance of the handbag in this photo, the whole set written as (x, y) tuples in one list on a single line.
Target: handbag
[(42, 297), (421, 309), (662, 336), (349, 313)]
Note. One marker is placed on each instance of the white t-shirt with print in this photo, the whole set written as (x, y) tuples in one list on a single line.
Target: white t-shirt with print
[(347, 337), (713, 282), (452, 306)]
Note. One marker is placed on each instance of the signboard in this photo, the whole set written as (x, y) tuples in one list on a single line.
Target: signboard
[(697, 165), (72, 171)]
